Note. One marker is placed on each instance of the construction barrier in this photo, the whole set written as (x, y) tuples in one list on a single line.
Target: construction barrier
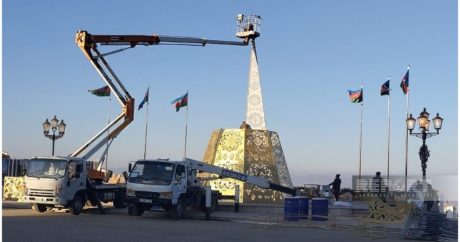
[(319, 209), (291, 209), (303, 207)]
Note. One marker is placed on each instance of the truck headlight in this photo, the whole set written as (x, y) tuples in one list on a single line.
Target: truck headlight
[(58, 190), (130, 192), (166, 195)]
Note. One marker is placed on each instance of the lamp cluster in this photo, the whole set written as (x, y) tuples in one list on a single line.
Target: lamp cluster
[(424, 122), (55, 126)]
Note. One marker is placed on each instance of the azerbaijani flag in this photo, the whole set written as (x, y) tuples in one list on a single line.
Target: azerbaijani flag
[(385, 89), (180, 102), (145, 100), (405, 83), (356, 96), (101, 92)]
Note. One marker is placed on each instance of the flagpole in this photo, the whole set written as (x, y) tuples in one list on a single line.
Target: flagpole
[(407, 144), (360, 140), (361, 133), (389, 133), (185, 141), (146, 128), (407, 138)]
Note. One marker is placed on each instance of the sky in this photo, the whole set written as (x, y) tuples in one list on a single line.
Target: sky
[(310, 53)]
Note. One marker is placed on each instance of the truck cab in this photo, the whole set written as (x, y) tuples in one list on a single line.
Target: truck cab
[(54, 182)]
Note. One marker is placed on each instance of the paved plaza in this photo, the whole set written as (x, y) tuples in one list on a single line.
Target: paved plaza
[(22, 224)]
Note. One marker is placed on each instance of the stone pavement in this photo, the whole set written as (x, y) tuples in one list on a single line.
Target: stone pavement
[(266, 215)]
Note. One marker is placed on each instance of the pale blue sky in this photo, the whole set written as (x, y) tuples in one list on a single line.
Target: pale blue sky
[(310, 53)]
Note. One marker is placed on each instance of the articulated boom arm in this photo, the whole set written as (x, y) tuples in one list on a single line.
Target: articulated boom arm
[(88, 44), (134, 40), (89, 48), (224, 173)]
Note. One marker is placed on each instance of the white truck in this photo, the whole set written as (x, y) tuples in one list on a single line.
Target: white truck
[(64, 182), (174, 185)]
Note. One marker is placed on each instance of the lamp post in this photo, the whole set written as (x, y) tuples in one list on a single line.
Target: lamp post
[(55, 126), (424, 124)]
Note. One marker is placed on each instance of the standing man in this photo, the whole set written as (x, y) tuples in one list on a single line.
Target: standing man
[(336, 186), (378, 186), (377, 182)]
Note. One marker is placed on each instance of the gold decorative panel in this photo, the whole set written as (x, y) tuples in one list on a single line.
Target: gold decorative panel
[(13, 188), (212, 145), (280, 163), (254, 152), (226, 149)]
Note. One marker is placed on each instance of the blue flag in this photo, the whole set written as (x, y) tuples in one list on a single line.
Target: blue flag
[(145, 100)]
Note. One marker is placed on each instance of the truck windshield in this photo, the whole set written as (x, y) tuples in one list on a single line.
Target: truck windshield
[(44, 168), (155, 173)]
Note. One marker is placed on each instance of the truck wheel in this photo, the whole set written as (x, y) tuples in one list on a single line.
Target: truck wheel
[(119, 201), (39, 207), (179, 211), (76, 207), (135, 209)]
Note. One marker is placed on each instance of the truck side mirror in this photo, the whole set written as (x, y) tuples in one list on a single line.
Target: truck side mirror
[(177, 178), (72, 170), (79, 169), (130, 167)]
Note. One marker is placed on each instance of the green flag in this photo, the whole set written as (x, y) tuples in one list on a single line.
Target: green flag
[(101, 92)]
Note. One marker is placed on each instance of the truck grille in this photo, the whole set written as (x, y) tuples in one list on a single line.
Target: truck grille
[(147, 194), (41, 192)]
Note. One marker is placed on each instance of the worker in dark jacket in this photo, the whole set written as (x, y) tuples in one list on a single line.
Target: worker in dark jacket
[(377, 183), (336, 186)]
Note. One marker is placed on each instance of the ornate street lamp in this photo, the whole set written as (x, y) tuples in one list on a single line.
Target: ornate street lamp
[(55, 126), (424, 125)]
